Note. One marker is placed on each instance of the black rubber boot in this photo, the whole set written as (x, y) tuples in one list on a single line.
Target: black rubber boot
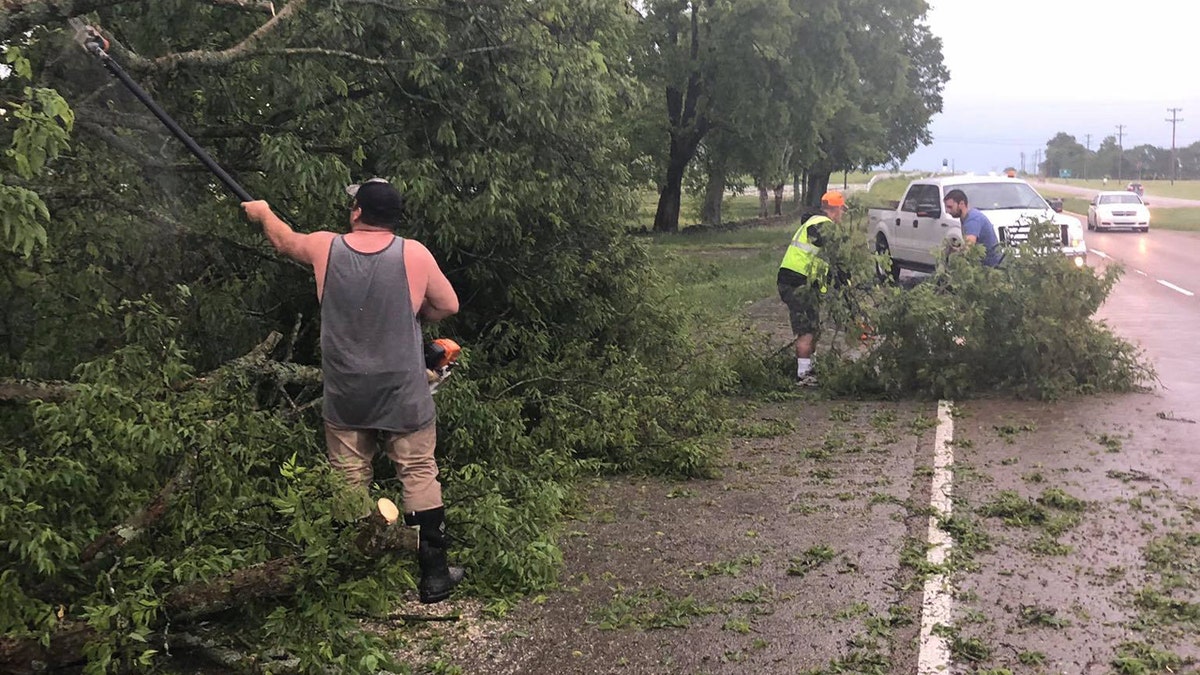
[(437, 578)]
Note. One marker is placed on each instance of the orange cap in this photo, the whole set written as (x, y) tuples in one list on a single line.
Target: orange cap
[(833, 198)]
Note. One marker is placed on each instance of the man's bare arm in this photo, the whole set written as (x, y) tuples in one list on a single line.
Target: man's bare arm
[(285, 240), (440, 299)]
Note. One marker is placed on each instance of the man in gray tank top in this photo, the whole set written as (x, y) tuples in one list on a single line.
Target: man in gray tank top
[(375, 289)]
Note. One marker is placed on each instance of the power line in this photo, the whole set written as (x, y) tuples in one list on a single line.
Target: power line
[(1174, 161)]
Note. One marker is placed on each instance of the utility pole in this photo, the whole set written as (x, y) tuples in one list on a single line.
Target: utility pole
[(1174, 162), (1120, 148), (1085, 155), (1022, 163)]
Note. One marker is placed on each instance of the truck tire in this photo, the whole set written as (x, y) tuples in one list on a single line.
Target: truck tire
[(885, 275)]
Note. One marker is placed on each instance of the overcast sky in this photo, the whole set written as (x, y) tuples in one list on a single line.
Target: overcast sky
[(1023, 70)]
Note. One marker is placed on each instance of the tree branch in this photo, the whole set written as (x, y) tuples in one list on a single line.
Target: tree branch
[(321, 51), (24, 391), (124, 146), (255, 361), (251, 5), (119, 535), (241, 50)]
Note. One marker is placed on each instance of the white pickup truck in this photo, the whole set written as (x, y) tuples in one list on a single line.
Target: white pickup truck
[(917, 227)]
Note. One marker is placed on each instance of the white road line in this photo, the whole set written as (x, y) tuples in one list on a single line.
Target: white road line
[(1175, 288), (1168, 284), (934, 655)]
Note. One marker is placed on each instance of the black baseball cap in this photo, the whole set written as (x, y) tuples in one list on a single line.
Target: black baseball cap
[(382, 205)]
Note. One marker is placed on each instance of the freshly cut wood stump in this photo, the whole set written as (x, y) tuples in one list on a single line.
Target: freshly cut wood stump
[(383, 530)]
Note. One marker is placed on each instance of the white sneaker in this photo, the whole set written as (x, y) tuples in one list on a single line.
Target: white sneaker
[(806, 380)]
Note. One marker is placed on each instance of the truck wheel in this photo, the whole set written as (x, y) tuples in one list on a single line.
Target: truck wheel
[(883, 274)]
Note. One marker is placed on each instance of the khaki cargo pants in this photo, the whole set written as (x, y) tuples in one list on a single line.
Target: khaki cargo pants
[(351, 452)]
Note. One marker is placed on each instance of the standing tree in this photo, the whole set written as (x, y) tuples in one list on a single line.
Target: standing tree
[(1064, 152), (889, 77), (703, 56)]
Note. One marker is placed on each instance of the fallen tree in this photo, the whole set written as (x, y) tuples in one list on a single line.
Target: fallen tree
[(191, 603), (1027, 328), (194, 507)]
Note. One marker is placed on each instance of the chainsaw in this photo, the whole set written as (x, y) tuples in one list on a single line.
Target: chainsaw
[(441, 356)]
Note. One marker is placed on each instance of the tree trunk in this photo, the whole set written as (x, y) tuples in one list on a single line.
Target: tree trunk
[(762, 199), (779, 199), (688, 125), (714, 194), (818, 184), (683, 149), (666, 218)]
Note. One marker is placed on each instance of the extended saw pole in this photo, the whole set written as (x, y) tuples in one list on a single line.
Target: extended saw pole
[(97, 46)]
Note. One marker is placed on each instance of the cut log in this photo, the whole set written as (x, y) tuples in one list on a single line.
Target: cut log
[(387, 510), (381, 530)]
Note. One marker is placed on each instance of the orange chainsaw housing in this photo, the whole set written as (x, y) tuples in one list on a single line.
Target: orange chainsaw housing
[(441, 352)]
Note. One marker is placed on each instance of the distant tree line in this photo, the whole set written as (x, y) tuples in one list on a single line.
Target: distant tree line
[(1141, 162)]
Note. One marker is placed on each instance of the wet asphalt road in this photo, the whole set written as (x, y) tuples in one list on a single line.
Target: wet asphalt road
[(1074, 601), (1154, 201), (1156, 304)]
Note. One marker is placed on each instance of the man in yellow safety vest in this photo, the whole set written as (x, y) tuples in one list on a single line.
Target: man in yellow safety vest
[(803, 277)]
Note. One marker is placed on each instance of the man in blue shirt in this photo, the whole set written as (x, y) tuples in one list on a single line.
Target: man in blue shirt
[(976, 228)]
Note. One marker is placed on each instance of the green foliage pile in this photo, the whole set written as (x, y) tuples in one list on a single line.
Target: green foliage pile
[(1026, 328), (249, 492)]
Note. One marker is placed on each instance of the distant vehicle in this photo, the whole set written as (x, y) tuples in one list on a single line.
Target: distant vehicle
[(1136, 188), (1110, 210), (915, 227)]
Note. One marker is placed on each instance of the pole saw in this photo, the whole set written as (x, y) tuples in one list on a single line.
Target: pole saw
[(97, 46), (441, 355)]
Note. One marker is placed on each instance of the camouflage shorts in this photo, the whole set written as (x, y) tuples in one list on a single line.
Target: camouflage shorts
[(802, 308)]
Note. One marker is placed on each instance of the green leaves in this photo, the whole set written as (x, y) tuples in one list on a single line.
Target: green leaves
[(39, 122), (17, 61), (1025, 328), (22, 214)]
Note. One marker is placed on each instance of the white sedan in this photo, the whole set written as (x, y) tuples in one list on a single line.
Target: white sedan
[(1118, 209)]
